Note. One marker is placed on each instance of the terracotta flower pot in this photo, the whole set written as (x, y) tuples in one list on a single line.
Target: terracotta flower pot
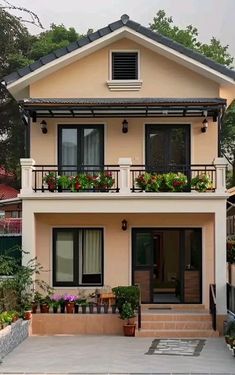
[(70, 307), (27, 315), (129, 330), (44, 308), (34, 308)]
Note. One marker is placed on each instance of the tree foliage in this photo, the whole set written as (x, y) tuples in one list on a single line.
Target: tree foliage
[(228, 141), (188, 37), (15, 42), (56, 37)]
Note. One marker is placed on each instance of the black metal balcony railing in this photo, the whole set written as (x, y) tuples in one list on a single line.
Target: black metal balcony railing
[(206, 174), (212, 299), (71, 178)]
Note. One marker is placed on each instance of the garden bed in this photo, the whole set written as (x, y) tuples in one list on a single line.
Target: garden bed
[(12, 335)]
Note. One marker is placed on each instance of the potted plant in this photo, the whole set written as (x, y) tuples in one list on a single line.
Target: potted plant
[(45, 305), (149, 182), (175, 182), (84, 305), (230, 334), (103, 181), (126, 314), (201, 183), (63, 183), (55, 302), (51, 180), (62, 304), (69, 302), (126, 294), (27, 312), (36, 301)]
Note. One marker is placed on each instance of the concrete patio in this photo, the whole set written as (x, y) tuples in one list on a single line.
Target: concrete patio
[(111, 355)]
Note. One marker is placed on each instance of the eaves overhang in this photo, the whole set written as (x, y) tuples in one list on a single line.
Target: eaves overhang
[(122, 107)]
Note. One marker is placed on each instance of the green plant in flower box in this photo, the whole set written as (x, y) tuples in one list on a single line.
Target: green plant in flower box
[(201, 182)]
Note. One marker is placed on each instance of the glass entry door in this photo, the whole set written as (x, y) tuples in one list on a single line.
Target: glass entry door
[(167, 264), (167, 147)]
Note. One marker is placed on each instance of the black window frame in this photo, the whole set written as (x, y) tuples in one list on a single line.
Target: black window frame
[(80, 128), (136, 65), (166, 128), (76, 264)]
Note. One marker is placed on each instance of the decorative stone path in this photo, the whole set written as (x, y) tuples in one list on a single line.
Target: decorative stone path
[(183, 347)]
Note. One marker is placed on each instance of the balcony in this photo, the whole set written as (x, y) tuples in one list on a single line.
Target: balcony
[(123, 178), (10, 226)]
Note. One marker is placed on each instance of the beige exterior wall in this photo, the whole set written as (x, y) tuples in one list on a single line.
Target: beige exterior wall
[(87, 77), (117, 243), (131, 144)]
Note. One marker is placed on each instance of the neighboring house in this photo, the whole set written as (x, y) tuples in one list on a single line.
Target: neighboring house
[(126, 100)]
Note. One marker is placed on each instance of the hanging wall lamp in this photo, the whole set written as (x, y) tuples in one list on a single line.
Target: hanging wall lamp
[(204, 123), (124, 225), (125, 126), (43, 124)]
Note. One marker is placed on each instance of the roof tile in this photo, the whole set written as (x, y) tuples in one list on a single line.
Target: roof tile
[(124, 21)]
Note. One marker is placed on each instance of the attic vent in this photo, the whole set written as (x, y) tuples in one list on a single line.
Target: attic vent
[(125, 65)]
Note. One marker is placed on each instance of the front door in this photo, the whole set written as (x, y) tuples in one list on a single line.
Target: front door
[(167, 264), (167, 148)]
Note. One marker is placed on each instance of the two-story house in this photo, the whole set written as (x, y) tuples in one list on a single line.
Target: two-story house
[(132, 120)]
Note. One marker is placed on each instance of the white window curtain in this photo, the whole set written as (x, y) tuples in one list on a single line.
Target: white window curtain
[(92, 248), (64, 256), (91, 147)]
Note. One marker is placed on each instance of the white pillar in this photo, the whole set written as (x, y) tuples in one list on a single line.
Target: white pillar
[(28, 232), (220, 166), (125, 174), (220, 258), (27, 167)]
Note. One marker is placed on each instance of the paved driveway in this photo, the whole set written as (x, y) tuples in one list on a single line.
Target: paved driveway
[(111, 354)]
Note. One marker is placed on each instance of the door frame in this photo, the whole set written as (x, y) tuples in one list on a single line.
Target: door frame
[(181, 231)]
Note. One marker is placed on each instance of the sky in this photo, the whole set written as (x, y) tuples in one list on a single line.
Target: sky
[(211, 17)]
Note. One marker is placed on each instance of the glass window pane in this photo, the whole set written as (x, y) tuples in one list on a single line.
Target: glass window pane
[(69, 147), (177, 146), (156, 149), (64, 257), (92, 147), (193, 249), (144, 243)]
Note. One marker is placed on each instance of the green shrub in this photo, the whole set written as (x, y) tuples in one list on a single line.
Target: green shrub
[(126, 294)]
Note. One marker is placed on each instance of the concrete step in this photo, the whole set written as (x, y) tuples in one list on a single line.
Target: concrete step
[(177, 333), (186, 317), (155, 325), (158, 306)]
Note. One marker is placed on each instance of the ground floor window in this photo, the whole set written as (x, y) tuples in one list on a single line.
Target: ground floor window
[(77, 256)]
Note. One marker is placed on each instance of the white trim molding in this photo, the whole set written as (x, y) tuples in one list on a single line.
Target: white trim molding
[(124, 85)]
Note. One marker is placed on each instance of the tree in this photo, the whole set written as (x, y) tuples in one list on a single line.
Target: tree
[(56, 37), (15, 42), (189, 38), (228, 141), (12, 132)]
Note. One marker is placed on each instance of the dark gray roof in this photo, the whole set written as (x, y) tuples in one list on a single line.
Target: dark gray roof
[(124, 21), (122, 107), (121, 101)]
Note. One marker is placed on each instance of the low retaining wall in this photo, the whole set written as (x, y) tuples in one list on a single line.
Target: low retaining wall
[(13, 335), (76, 324)]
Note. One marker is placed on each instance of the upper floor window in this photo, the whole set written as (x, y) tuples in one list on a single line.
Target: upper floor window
[(124, 65), (81, 145), (124, 71)]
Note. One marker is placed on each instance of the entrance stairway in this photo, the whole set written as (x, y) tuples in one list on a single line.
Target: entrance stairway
[(175, 321)]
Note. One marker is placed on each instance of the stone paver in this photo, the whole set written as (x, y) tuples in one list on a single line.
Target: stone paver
[(111, 355)]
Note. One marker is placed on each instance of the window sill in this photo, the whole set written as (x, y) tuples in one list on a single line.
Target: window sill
[(124, 85)]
